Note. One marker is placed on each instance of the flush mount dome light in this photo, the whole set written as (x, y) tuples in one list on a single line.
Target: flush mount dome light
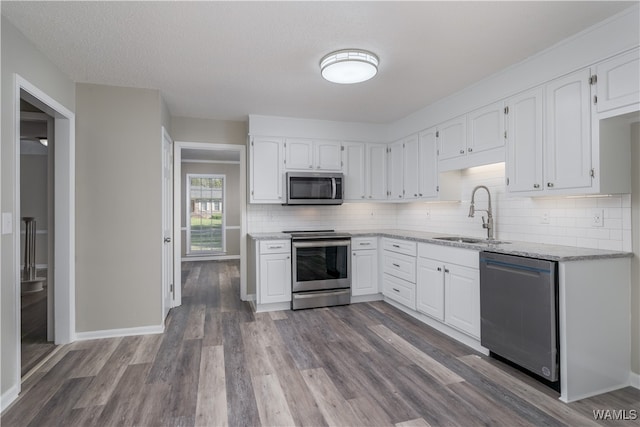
[(349, 66)]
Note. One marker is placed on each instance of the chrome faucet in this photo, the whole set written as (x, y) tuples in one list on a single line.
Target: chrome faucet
[(488, 224)]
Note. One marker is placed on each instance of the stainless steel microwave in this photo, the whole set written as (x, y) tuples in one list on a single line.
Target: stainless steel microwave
[(314, 188)]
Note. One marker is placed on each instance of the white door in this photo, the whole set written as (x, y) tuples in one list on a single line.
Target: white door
[(167, 222), (376, 172), (568, 142), (275, 278), (430, 288), (428, 171), (328, 155), (411, 167), (364, 266), (524, 142), (354, 169), (298, 154), (394, 174), (618, 84), (452, 138), (266, 170), (486, 128), (462, 298)]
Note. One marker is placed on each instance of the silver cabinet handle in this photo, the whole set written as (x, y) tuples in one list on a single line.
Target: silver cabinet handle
[(439, 268), (275, 246), (396, 289), (365, 243), (446, 270), (370, 197), (420, 194), (396, 246), (396, 265), (549, 184), (363, 196), (536, 185), (461, 151), (469, 149), (415, 195), (288, 257), (354, 254)]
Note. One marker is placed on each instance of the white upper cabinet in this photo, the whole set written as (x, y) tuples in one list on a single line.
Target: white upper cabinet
[(524, 142), (411, 167), (395, 173), (354, 161), (568, 132), (485, 128), (266, 169), (307, 154), (618, 81), (452, 138), (428, 171), (376, 172)]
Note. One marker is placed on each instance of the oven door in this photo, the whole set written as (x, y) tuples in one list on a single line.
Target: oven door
[(321, 264)]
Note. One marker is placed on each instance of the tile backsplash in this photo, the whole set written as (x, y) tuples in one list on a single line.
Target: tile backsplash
[(557, 220)]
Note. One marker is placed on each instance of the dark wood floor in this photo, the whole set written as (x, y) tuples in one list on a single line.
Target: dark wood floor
[(220, 364), (33, 328)]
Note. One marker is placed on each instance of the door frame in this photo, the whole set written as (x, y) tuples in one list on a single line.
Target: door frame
[(63, 265), (168, 295), (178, 146)]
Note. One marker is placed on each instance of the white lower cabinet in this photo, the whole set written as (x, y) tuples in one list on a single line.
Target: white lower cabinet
[(364, 266), (448, 286), (274, 273), (399, 290)]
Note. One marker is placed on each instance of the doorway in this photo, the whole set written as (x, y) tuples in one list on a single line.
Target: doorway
[(210, 206), (36, 237)]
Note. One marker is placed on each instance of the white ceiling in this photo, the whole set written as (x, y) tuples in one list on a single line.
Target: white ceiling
[(224, 60)]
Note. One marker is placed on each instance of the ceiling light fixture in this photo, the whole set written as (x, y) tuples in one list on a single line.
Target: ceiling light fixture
[(349, 66)]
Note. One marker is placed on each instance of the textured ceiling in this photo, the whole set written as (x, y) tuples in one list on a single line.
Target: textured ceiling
[(224, 60)]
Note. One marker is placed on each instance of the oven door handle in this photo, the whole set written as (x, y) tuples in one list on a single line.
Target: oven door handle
[(320, 294), (320, 243)]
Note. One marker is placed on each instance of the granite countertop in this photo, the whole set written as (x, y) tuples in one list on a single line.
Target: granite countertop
[(528, 249)]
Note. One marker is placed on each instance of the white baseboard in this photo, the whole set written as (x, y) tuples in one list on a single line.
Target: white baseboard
[(365, 298), (9, 396), (635, 380), (210, 258), (114, 333)]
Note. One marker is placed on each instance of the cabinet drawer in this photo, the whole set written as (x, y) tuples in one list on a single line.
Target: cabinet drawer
[(401, 246), (450, 255), (399, 290), (275, 246), (364, 243), (399, 265)]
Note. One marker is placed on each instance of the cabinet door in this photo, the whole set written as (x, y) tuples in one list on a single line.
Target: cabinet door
[(353, 159), (428, 165), (618, 83), (266, 161), (410, 167), (364, 266), (462, 298), (568, 142), (376, 172), (327, 155), (486, 128), (275, 278), (452, 138), (298, 154), (394, 173), (524, 142), (430, 288)]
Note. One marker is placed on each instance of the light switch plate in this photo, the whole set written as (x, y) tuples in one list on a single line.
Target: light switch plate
[(545, 218), (7, 223)]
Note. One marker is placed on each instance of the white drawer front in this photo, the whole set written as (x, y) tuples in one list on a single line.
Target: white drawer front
[(364, 243), (450, 255), (275, 246), (402, 266), (401, 246), (400, 291)]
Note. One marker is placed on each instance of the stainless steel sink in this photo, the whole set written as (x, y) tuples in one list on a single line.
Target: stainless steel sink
[(472, 240)]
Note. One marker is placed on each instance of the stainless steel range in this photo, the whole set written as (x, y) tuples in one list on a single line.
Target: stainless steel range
[(321, 268)]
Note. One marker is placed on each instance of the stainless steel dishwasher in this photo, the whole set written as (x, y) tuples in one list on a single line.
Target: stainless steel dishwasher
[(519, 311)]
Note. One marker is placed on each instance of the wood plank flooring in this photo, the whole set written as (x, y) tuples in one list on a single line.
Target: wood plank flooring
[(220, 364)]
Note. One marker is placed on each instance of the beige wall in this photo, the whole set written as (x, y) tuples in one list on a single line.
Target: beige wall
[(232, 208), (187, 129), (635, 263), (21, 57), (118, 208)]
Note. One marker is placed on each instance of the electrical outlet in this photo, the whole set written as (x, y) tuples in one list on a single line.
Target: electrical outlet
[(597, 218), (428, 214), (7, 223), (545, 218)]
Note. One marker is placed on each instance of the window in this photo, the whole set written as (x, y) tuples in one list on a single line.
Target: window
[(205, 211)]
